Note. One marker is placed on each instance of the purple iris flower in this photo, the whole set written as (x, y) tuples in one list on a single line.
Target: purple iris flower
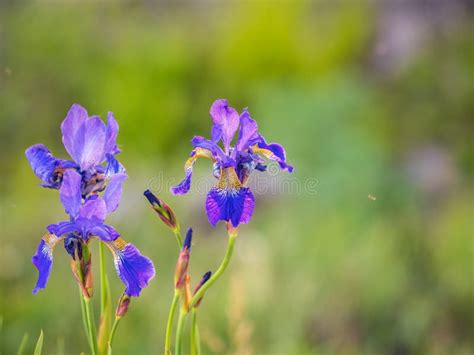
[(230, 200), (87, 218), (89, 142)]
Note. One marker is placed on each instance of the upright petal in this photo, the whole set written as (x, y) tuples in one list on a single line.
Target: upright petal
[(43, 260), (184, 186), (229, 200), (134, 269), (70, 192), (111, 135), (113, 166), (42, 162), (89, 143), (113, 192), (75, 118), (273, 151), (94, 209), (248, 133), (226, 122)]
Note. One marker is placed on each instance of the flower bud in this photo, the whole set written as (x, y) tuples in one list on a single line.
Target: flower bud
[(165, 213), (203, 280), (122, 306), (183, 261)]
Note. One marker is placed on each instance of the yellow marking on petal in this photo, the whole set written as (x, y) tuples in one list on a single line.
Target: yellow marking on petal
[(228, 179), (265, 152), (118, 244), (198, 153), (51, 240)]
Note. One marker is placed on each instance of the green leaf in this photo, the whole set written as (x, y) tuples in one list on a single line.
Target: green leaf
[(21, 348), (39, 344)]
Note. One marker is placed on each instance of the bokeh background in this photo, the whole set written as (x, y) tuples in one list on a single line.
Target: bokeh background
[(372, 100)]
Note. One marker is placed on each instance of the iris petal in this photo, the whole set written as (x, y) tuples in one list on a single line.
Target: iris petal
[(74, 120), (111, 135), (113, 192), (89, 143), (94, 209), (226, 121), (184, 186), (42, 162), (70, 192), (273, 151), (43, 260), (248, 133), (134, 269), (229, 200)]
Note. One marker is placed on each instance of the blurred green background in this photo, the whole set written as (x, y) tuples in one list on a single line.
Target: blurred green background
[(373, 100)]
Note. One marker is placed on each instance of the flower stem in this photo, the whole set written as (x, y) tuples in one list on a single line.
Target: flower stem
[(195, 341), (112, 333), (84, 317), (179, 238), (103, 280), (169, 325), (218, 273), (179, 331), (91, 325)]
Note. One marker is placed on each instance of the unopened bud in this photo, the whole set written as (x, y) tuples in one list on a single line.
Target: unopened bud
[(183, 261), (203, 280), (165, 213), (122, 306)]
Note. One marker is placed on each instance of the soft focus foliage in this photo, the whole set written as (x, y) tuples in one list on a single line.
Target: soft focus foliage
[(373, 101)]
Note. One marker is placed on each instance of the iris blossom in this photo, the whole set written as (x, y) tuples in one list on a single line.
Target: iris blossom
[(89, 142), (230, 200), (87, 218)]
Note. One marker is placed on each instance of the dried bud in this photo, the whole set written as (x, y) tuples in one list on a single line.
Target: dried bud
[(122, 306), (165, 213), (203, 280), (183, 261)]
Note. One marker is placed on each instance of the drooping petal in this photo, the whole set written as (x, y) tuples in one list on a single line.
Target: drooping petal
[(89, 143), (184, 186), (62, 228), (75, 118), (226, 122), (248, 133), (43, 260), (104, 232), (111, 135), (223, 159), (113, 192), (94, 209), (273, 151), (134, 269), (44, 165), (229, 200), (70, 192)]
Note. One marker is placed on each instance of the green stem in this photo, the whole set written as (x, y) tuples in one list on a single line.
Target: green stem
[(179, 237), (195, 340), (179, 331), (169, 325), (112, 332), (84, 317), (91, 325), (218, 273), (103, 280)]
